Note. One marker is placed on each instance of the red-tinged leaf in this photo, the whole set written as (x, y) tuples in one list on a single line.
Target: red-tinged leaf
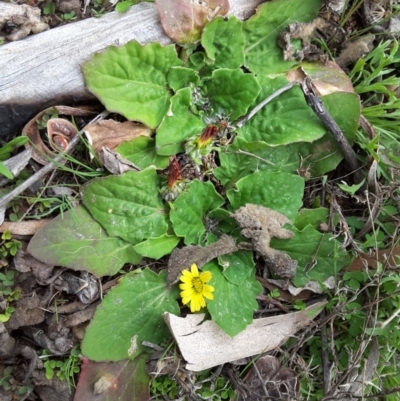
[(174, 174), (111, 381), (183, 20)]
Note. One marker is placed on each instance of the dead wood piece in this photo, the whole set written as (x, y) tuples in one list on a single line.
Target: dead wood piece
[(29, 227), (16, 164), (200, 255), (260, 224), (52, 75), (204, 344)]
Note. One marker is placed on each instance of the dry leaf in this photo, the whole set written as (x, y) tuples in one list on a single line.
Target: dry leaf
[(60, 130), (204, 345), (115, 163), (312, 286), (111, 133), (184, 20), (385, 256)]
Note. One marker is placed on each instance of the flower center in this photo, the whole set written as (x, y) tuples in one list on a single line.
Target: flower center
[(197, 284)]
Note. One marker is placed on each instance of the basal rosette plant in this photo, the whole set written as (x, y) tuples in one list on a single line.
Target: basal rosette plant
[(194, 103)]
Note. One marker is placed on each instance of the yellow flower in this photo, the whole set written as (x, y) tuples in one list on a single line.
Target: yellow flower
[(195, 288)]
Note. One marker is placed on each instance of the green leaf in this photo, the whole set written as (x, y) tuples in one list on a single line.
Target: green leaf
[(156, 248), (285, 119), (244, 158), (314, 217), (123, 6), (237, 266), (142, 152), (262, 53), (128, 205), (231, 91), (319, 256), (75, 240), (180, 77), (177, 125), (223, 42), (351, 189), (345, 108), (5, 171), (130, 313), (132, 80), (233, 305), (282, 192), (190, 209), (5, 150)]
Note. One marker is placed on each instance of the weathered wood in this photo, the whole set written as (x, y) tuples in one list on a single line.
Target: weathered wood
[(44, 69), (204, 344)]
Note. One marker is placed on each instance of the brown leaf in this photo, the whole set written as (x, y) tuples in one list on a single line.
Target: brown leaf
[(183, 20), (111, 133), (60, 132), (183, 258), (327, 77), (385, 256), (115, 163)]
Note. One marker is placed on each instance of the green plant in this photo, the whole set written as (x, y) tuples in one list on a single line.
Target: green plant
[(8, 246), (5, 153), (200, 103), (164, 386), (274, 293), (10, 384), (65, 369), (68, 16), (123, 6), (7, 293), (209, 95), (42, 123), (49, 8), (215, 389)]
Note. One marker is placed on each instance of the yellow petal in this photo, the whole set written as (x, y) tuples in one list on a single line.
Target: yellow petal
[(195, 270), (186, 273), (194, 305), (186, 279), (201, 300), (207, 288), (206, 276), (208, 295), (185, 286), (186, 300), (188, 293)]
